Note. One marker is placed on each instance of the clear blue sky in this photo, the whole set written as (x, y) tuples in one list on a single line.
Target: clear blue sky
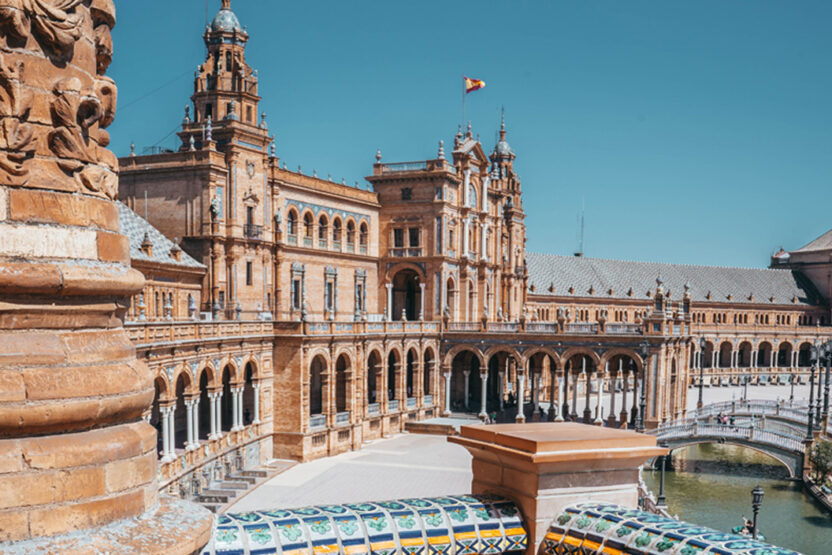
[(697, 132)]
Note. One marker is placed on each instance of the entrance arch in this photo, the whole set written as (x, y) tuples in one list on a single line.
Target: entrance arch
[(342, 366), (407, 295), (316, 390), (465, 381)]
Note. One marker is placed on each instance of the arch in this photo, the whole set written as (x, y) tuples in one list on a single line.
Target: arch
[(323, 229), (465, 380), (764, 352), (317, 368), (450, 297), (744, 354), (206, 383), (180, 423), (509, 351), (394, 358), (573, 351), (227, 403), (708, 355), (373, 374), (793, 466), (336, 229), (428, 363), (454, 351), (613, 356), (726, 348), (410, 372), (210, 374), (804, 355), (350, 231), (532, 351), (407, 295), (342, 367), (308, 223), (784, 354), (249, 374), (292, 223), (363, 233)]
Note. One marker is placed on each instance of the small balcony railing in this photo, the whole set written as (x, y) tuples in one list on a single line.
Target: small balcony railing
[(342, 418), (393, 405), (428, 400), (292, 239), (307, 241), (410, 402), (253, 231), (623, 329), (363, 249), (373, 408), (317, 421), (400, 252), (580, 328), (322, 243), (336, 245), (350, 247)]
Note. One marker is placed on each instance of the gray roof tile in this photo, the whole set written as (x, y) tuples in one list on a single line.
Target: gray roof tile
[(583, 273), (135, 227)]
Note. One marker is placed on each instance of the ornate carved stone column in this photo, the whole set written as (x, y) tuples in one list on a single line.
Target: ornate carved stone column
[(76, 453)]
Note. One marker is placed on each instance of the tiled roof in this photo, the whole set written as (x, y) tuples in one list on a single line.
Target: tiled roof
[(583, 274), (822, 243), (135, 227)]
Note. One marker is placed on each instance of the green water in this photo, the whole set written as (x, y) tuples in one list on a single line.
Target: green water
[(711, 485)]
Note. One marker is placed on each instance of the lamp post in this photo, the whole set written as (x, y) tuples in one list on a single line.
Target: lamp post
[(813, 360), (756, 500), (702, 344), (645, 352), (661, 500), (826, 349), (791, 396), (745, 388)]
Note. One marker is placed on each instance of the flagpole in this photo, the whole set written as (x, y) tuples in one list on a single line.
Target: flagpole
[(463, 101)]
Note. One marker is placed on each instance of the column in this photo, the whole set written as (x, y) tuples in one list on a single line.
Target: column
[(422, 303), (466, 373), (561, 397), (235, 401), (521, 415), (189, 417), (625, 387), (598, 421), (587, 393), (612, 380), (534, 385), (195, 440), (573, 416), (212, 400), (552, 393), (389, 287), (218, 415), (256, 403), (447, 393), (483, 396), (501, 377), (240, 423), (166, 417)]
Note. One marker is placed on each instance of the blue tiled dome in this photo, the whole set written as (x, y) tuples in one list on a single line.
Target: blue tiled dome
[(503, 149), (225, 20)]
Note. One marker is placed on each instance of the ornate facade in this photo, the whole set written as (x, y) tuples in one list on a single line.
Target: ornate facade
[(316, 315)]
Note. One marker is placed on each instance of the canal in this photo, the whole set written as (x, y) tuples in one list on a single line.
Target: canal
[(711, 485)]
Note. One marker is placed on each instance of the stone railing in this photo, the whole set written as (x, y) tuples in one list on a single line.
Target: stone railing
[(393, 405), (354, 328), (623, 329), (342, 418), (317, 421), (149, 333)]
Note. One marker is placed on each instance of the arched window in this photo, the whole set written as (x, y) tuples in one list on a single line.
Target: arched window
[(472, 195), (322, 231), (350, 234), (362, 237), (308, 224), (292, 223), (336, 233), (228, 61)]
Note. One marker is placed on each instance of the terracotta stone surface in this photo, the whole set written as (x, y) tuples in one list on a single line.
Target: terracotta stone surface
[(75, 452), (544, 467)]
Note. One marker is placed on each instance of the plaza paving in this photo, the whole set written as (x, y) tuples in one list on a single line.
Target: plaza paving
[(413, 465)]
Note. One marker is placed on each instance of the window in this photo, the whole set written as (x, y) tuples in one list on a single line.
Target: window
[(292, 223), (249, 215), (248, 114), (249, 272), (398, 238), (350, 233), (228, 61), (307, 224), (362, 238), (329, 296), (229, 109), (407, 193), (336, 232), (413, 233), (221, 299), (322, 231), (296, 289), (209, 110)]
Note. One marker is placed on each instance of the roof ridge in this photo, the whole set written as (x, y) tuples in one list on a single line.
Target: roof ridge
[(653, 262)]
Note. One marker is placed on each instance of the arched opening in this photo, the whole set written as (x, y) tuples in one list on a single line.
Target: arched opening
[(336, 233), (316, 390), (363, 237), (471, 312), (227, 403), (673, 393), (341, 367), (292, 224), (180, 422), (204, 410), (804, 355), (350, 234), (764, 355), (427, 369), (708, 355), (159, 389), (248, 395), (623, 393), (744, 355), (465, 382), (373, 369), (450, 298), (308, 226), (322, 231), (392, 374), (406, 295), (725, 350), (410, 373), (581, 369), (784, 355)]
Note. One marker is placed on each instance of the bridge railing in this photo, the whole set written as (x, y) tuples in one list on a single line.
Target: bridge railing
[(777, 435)]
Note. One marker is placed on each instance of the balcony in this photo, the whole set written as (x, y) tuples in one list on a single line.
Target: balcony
[(342, 418), (373, 408), (292, 239), (317, 421), (400, 252), (252, 231), (580, 328), (623, 329), (307, 241), (393, 405)]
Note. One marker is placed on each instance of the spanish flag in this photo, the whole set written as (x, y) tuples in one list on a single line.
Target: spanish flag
[(473, 84)]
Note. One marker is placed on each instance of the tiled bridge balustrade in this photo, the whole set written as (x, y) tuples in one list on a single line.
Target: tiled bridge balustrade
[(212, 404)]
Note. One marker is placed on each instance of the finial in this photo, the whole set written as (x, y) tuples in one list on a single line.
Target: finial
[(272, 149), (226, 4), (191, 146), (687, 286), (378, 156), (458, 136), (356, 184), (329, 177), (263, 124), (300, 171), (659, 280), (132, 149), (503, 124), (343, 181), (314, 172), (209, 130), (469, 134), (187, 119), (441, 155)]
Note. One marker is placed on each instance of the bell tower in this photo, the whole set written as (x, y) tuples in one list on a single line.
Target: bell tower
[(225, 87)]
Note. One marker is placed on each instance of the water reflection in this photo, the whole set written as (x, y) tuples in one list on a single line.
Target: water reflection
[(711, 485)]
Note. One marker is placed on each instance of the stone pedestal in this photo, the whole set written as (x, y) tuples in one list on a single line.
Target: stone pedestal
[(546, 467), (75, 454)]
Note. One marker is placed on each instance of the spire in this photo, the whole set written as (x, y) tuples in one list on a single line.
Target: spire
[(503, 124), (226, 4)]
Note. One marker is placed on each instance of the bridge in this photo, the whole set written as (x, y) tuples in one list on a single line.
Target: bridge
[(765, 426)]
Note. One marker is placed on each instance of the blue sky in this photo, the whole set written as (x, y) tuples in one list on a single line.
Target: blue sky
[(695, 132)]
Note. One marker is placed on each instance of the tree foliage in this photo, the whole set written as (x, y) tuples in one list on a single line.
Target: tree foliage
[(821, 459)]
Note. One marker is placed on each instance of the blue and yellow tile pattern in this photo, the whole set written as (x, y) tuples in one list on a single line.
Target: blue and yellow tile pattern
[(453, 525), (599, 528)]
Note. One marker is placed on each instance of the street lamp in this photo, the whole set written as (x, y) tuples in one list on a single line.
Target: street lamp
[(791, 396), (661, 500), (756, 500), (702, 344), (826, 349), (645, 352), (813, 360)]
